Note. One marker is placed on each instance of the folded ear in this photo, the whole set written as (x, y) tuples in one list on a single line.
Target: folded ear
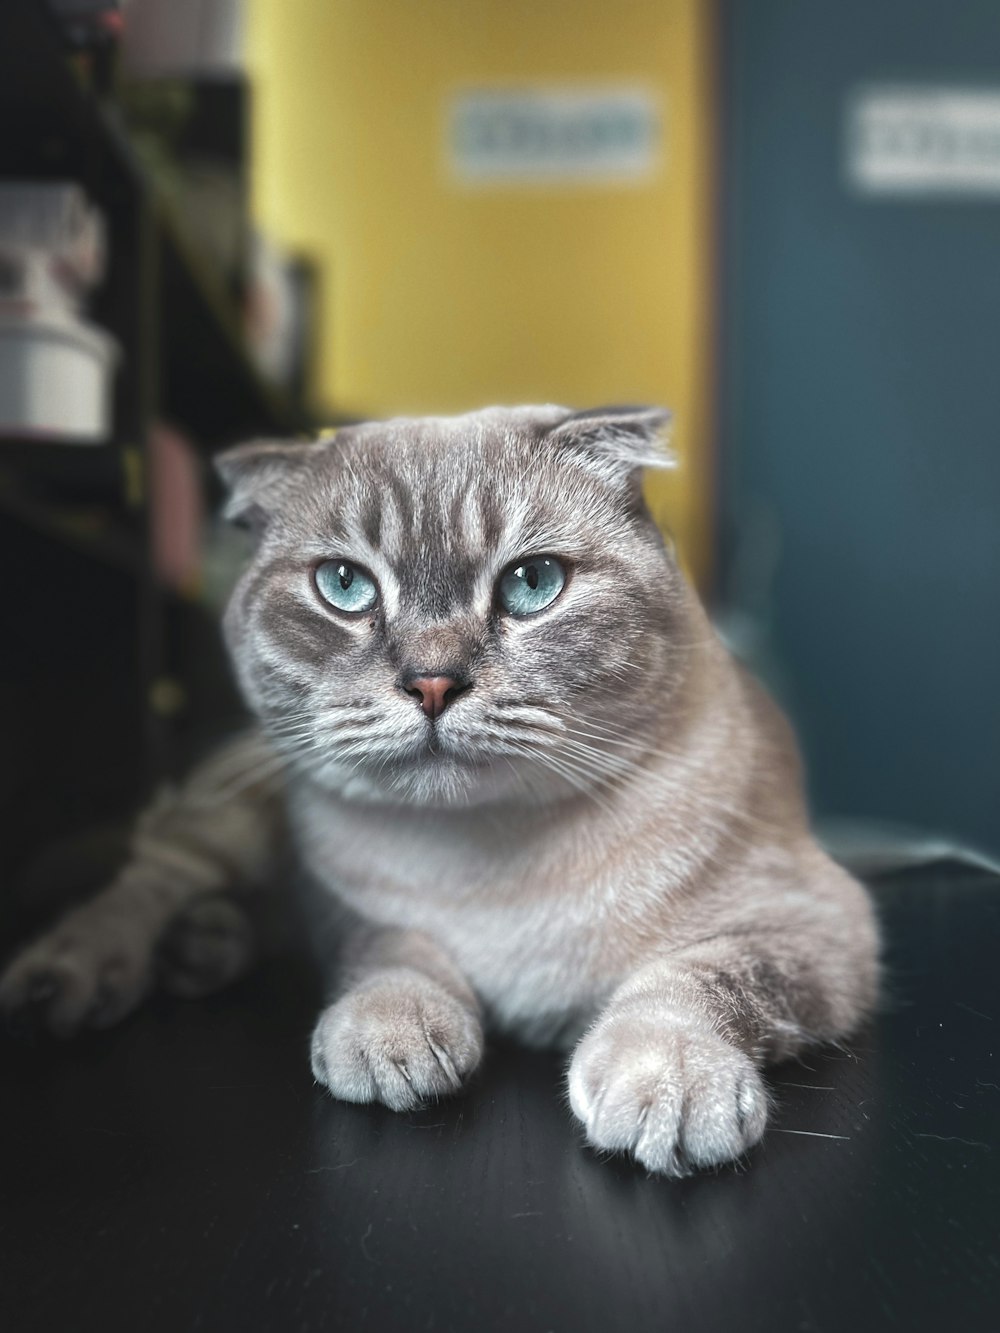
[(257, 474), (617, 442)]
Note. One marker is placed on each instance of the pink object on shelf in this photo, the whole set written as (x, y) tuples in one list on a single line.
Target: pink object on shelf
[(172, 37), (176, 509)]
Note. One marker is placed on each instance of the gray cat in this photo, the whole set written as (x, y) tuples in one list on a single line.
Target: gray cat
[(533, 787)]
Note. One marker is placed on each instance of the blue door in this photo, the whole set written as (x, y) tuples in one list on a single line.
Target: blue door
[(861, 397)]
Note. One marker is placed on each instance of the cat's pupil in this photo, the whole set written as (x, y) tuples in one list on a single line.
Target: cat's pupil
[(346, 574), (531, 576)]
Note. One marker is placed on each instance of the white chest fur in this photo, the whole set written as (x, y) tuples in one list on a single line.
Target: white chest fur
[(526, 914)]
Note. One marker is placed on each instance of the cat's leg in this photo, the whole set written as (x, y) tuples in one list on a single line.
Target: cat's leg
[(163, 917), (670, 1071), (406, 1027)]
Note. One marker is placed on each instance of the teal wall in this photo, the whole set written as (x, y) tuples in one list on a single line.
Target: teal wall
[(860, 413)]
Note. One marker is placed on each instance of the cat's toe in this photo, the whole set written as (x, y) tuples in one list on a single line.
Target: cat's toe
[(61, 985), (206, 947), (401, 1042), (24, 998), (674, 1095)]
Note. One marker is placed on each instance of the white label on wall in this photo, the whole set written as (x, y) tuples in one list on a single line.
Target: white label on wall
[(924, 141), (582, 136)]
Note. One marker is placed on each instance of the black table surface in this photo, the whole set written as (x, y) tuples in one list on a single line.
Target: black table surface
[(183, 1172)]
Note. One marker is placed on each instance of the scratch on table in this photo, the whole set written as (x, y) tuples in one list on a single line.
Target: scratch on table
[(341, 1166), (954, 1138), (364, 1247), (978, 1012), (529, 1214), (812, 1134), (813, 1087)]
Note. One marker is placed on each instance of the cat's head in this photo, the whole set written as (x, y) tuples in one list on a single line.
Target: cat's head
[(457, 610)]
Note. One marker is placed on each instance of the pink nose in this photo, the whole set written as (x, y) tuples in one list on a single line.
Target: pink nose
[(433, 693)]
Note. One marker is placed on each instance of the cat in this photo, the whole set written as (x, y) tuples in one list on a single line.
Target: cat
[(532, 788)]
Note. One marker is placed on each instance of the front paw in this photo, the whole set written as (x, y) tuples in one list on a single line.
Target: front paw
[(89, 971), (400, 1040), (668, 1090), (208, 944)]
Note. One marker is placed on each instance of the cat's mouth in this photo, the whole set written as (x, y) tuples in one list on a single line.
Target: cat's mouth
[(439, 771), (438, 751)]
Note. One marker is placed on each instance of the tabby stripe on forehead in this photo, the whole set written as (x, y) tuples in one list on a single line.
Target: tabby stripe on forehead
[(491, 518), (402, 507), (456, 514), (370, 518), (465, 516), (473, 518)]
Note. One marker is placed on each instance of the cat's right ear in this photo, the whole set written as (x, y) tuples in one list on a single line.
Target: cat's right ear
[(257, 474), (617, 442)]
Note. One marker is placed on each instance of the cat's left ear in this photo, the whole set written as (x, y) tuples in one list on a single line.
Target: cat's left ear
[(257, 474), (617, 442)]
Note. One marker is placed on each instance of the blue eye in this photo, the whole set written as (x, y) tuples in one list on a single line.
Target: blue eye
[(531, 585), (345, 586)]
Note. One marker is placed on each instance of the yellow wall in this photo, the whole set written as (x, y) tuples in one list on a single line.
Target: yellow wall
[(441, 298)]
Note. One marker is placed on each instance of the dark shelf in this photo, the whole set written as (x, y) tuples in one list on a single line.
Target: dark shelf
[(128, 671), (210, 385), (89, 530), (51, 126)]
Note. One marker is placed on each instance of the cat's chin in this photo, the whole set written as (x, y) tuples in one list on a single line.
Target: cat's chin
[(432, 779), (441, 779)]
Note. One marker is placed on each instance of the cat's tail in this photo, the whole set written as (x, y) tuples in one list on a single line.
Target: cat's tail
[(168, 917)]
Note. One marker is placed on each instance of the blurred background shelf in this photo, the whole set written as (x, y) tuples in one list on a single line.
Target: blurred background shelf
[(113, 672), (87, 530), (210, 385), (52, 126)]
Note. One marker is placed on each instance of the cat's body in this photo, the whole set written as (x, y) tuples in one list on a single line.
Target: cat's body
[(563, 817), (545, 918)]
